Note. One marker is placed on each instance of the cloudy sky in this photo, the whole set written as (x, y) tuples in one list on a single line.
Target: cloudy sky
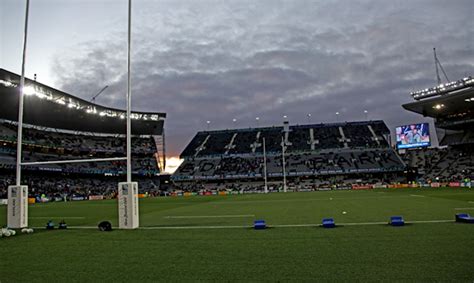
[(215, 61)]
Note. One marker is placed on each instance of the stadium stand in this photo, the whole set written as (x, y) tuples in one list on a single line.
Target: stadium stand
[(88, 178), (453, 164), (311, 150), (60, 126), (300, 138), (454, 128)]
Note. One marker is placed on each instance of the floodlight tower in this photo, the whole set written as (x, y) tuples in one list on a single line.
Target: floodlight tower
[(99, 93), (438, 63), (18, 194), (128, 191)]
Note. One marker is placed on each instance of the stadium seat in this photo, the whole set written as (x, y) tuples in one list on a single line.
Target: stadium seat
[(328, 223), (259, 224), (397, 221), (464, 218)]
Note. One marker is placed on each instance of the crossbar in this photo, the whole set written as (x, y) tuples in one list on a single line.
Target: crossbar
[(73, 161)]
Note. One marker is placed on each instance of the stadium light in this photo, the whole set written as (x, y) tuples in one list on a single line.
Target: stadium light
[(41, 95), (438, 106), (443, 88), (7, 83), (29, 90)]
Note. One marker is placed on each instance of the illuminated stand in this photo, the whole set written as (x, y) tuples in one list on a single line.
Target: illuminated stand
[(17, 206), (128, 205)]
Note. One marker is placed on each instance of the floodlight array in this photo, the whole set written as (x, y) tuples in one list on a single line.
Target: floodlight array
[(443, 88), (70, 102)]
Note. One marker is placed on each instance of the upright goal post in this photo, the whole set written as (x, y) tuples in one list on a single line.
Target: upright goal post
[(17, 215), (128, 191)]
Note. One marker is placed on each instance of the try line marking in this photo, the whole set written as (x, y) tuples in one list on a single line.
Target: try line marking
[(208, 216), (62, 217), (270, 226)]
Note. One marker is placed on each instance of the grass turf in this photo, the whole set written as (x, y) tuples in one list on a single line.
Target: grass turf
[(416, 252)]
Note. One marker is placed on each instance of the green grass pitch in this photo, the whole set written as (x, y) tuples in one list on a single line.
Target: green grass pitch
[(208, 239)]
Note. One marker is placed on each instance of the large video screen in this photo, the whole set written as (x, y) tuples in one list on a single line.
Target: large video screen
[(414, 135)]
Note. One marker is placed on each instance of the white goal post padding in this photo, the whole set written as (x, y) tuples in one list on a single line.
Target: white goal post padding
[(128, 205), (17, 207)]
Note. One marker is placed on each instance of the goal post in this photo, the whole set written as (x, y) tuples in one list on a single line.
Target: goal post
[(127, 191)]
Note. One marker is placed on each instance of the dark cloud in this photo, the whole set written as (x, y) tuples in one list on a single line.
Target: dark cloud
[(213, 60)]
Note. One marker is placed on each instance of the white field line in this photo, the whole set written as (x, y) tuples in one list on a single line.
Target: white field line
[(464, 208), (430, 221), (417, 196), (304, 200), (193, 227), (471, 201), (270, 226), (208, 216), (62, 217)]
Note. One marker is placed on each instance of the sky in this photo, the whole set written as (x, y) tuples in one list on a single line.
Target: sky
[(218, 61)]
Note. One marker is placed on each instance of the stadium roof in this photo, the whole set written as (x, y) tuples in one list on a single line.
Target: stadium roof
[(443, 89), (456, 102), (48, 107)]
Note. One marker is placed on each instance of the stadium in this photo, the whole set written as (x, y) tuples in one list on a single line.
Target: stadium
[(85, 195)]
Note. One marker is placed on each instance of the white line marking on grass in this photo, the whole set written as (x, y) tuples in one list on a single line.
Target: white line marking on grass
[(470, 201), (430, 221), (208, 216), (304, 200), (192, 227), (362, 223), (270, 226), (417, 196), (293, 225), (62, 217), (464, 208)]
